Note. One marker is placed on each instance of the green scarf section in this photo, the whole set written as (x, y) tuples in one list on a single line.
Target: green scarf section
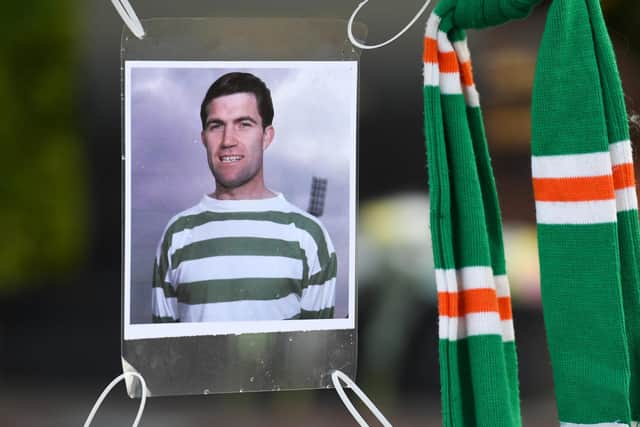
[(588, 228), (478, 366)]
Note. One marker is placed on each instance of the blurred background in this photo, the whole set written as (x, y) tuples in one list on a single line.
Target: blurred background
[(60, 261)]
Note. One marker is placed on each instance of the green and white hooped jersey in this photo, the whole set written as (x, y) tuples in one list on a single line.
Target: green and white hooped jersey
[(233, 260)]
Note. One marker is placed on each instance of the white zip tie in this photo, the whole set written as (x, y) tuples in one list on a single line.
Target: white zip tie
[(404, 30), (128, 15), (106, 391), (336, 376)]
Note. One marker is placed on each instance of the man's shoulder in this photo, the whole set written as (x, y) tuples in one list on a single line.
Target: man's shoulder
[(290, 208), (310, 224), (182, 219)]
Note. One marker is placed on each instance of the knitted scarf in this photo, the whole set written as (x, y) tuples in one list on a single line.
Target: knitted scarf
[(586, 207)]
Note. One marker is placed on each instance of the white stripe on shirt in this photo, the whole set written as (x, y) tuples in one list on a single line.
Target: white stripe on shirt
[(234, 267)]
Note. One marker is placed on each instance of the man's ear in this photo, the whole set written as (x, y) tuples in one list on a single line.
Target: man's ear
[(202, 138), (267, 138)]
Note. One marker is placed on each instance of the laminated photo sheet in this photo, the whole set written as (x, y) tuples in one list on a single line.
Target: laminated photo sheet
[(238, 295)]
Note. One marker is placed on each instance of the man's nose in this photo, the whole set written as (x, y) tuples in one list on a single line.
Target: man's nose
[(229, 138)]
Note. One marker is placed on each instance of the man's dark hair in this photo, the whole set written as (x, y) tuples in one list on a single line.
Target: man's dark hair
[(231, 83)]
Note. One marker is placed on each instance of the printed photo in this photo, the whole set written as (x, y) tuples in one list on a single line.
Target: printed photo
[(240, 197)]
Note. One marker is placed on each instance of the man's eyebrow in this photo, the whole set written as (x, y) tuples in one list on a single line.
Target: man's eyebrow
[(213, 121), (245, 118)]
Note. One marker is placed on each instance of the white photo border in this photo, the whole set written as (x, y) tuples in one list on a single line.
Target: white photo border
[(167, 330)]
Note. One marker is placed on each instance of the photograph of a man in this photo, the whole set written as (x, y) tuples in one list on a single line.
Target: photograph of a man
[(243, 253)]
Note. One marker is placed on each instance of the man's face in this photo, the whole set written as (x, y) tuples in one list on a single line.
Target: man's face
[(235, 141)]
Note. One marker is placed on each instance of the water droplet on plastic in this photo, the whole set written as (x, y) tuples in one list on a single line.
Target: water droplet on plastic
[(251, 379), (206, 391)]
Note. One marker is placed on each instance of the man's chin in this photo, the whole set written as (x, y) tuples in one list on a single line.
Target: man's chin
[(228, 183)]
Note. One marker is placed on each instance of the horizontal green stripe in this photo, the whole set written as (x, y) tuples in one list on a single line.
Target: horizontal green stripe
[(582, 305), (298, 220), (326, 313), (158, 275), (328, 272), (159, 319), (160, 268), (158, 282), (169, 292), (227, 290), (237, 246)]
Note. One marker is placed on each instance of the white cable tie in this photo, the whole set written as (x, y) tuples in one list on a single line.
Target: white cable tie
[(106, 391), (128, 15), (404, 30), (336, 376)]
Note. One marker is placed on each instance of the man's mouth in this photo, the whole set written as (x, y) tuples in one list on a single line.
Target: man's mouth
[(230, 158)]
